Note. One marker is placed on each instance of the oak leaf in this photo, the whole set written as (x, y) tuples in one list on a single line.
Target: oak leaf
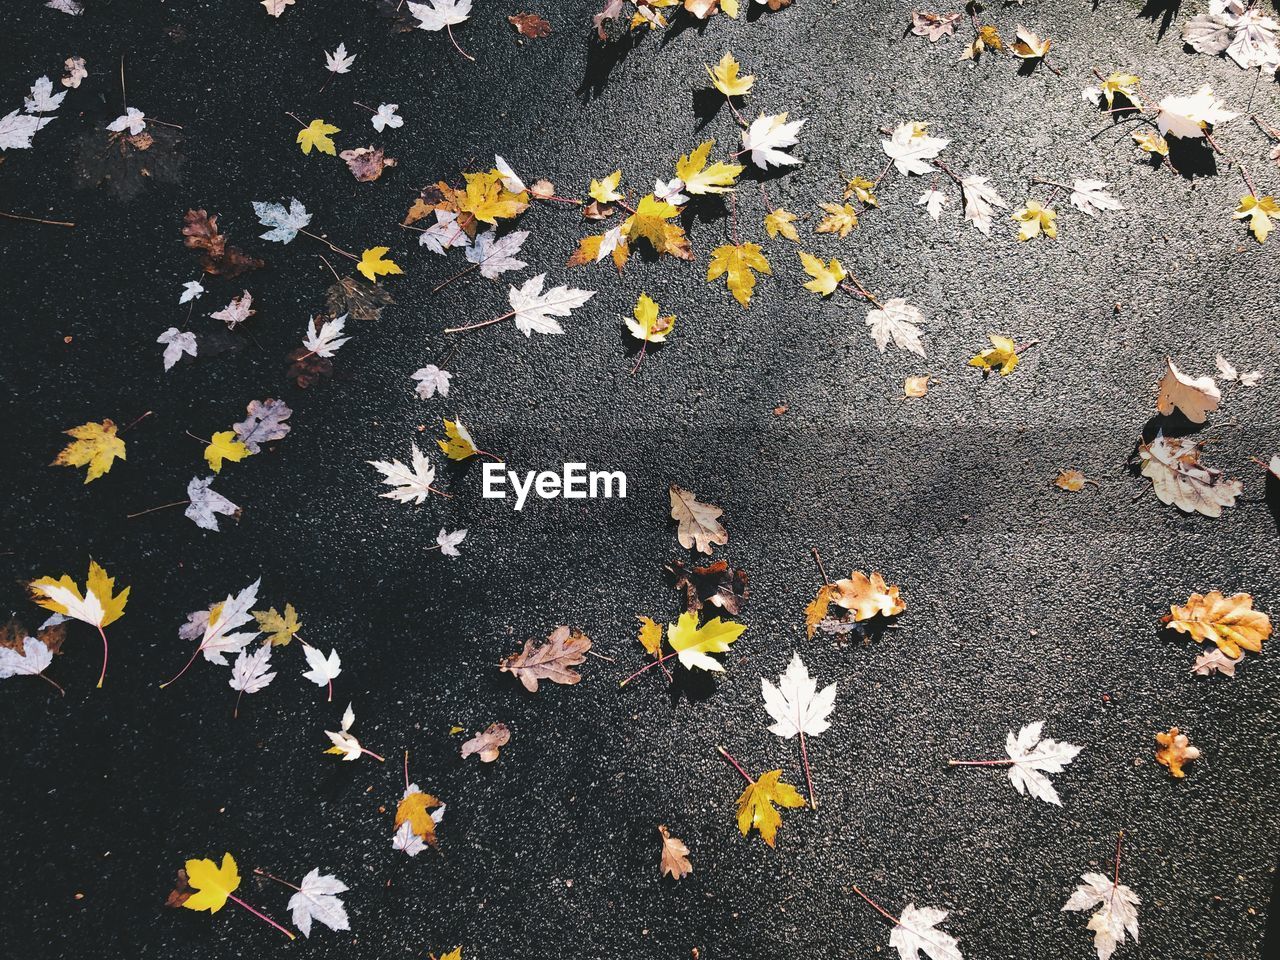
[(1174, 750), (1194, 396), (1178, 477), (674, 860), (488, 743), (530, 25), (550, 661), (699, 524), (200, 232), (1230, 623), (717, 584), (867, 597)]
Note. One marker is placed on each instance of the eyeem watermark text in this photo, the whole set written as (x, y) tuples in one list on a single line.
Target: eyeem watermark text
[(573, 482)]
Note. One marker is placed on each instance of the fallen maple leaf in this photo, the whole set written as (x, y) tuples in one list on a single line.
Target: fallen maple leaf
[(910, 148), (418, 815), (826, 277), (700, 179), (223, 445), (768, 137), (373, 264), (933, 26), (360, 301), (757, 801), (1035, 218), (279, 628), (94, 445), (674, 860), (1174, 750), (839, 219), (99, 606), (550, 661), (1001, 356), (781, 222), (725, 77), (899, 321), (1258, 211), (1117, 912), (212, 884), (694, 644), (699, 524), (1028, 46), (1072, 480), (1230, 623), (651, 222), (735, 262), (318, 135), (200, 232), (816, 611)]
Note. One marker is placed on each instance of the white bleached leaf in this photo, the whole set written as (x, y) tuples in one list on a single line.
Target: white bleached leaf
[(216, 626), (32, 660), (448, 542), (317, 899), (191, 290), (1117, 912), (87, 609), (338, 61), (431, 380), (444, 234), (284, 224), (979, 200), (17, 129), (237, 311), (438, 14), (914, 933), (265, 422), (42, 98), (323, 669), (250, 673), (408, 841), (75, 72), (1092, 197), (386, 116), (910, 146), (1207, 33), (410, 485), (176, 343), (1188, 116), (609, 241), (325, 339), (206, 502), (795, 703), (897, 321), (1253, 43), (670, 191), (343, 739), (132, 120), (496, 255), (768, 136), (1034, 757), (1178, 477), (933, 201), (533, 310), (73, 7), (510, 179), (1215, 661), (1230, 373)]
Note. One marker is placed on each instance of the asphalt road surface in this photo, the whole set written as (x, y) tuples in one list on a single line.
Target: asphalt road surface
[(1024, 602)]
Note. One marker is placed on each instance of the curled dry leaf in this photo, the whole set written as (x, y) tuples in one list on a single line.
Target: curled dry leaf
[(1230, 623), (674, 861), (1194, 396), (1178, 477), (1070, 479), (816, 611), (367, 163), (530, 25), (699, 524), (717, 584), (488, 743), (550, 661), (1215, 661), (867, 597), (916, 386), (1174, 750)]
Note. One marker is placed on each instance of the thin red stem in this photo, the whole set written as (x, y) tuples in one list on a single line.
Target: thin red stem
[(260, 915), (808, 777), (52, 223), (163, 506), (484, 323), (406, 769), (263, 873), (461, 273), (57, 686), (979, 763), (736, 765), (875, 906), (375, 756), (179, 674), (648, 666)]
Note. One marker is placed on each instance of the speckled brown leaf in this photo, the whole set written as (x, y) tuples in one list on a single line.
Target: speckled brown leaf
[(488, 743), (530, 25), (357, 299), (550, 661)]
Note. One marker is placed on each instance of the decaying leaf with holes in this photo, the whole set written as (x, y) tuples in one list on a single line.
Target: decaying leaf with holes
[(552, 660), (1178, 477), (1173, 750)]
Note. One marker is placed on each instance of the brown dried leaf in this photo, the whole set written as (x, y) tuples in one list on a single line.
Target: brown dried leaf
[(1175, 750), (356, 298), (551, 661), (916, 386), (306, 368), (488, 744), (13, 633), (1194, 396), (530, 25), (933, 26), (674, 861), (126, 163), (181, 892), (867, 596), (1230, 623), (367, 163), (1070, 479), (217, 258), (698, 522), (718, 584)]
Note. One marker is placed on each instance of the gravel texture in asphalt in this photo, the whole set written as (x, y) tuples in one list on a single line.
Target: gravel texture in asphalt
[(1024, 602)]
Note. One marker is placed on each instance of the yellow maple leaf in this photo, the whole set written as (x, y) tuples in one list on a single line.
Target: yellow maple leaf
[(589, 252), (278, 628), (1035, 218), (988, 38), (1230, 623), (694, 643), (457, 444), (782, 222), (867, 596), (863, 189), (373, 263), (454, 954), (1002, 355), (97, 606), (651, 222), (756, 805), (647, 325), (735, 262), (213, 884), (816, 611), (487, 199), (606, 190), (318, 134), (650, 636), (700, 179), (1028, 46), (1122, 84), (724, 76), (415, 809), (839, 219), (1258, 211), (223, 445), (1151, 142), (95, 445), (826, 277)]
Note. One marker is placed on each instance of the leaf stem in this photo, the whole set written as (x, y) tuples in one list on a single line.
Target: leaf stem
[(875, 906), (102, 676), (484, 323), (449, 28), (57, 686), (375, 756), (332, 246), (826, 581), (263, 873), (260, 915), (163, 506), (648, 666), (980, 763), (736, 765), (51, 223), (808, 777), (461, 273), (406, 769)]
